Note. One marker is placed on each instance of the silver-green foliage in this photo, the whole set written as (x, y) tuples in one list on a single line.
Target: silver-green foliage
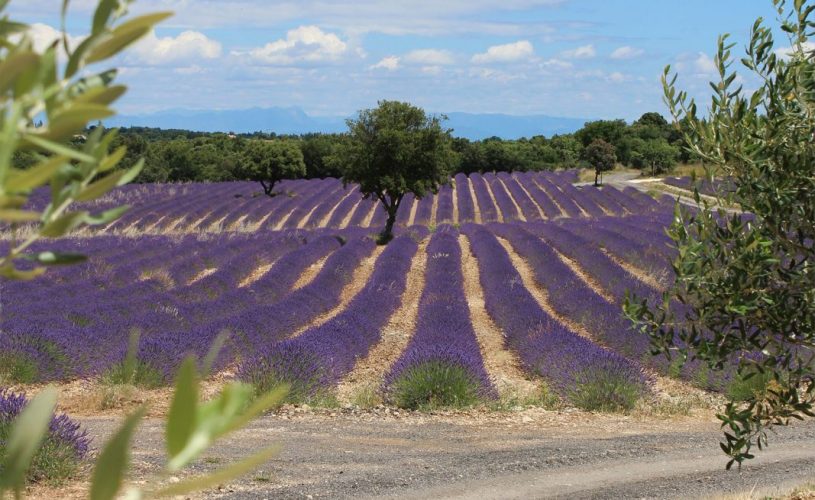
[(747, 282), (31, 86), (45, 103)]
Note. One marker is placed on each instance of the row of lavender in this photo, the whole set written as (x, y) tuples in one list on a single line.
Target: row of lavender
[(308, 204)]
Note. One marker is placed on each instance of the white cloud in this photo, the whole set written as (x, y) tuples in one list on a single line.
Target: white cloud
[(431, 70), (705, 64), (617, 77), (557, 64), (505, 53), (188, 46), (430, 57), (627, 52), (584, 52), (786, 52), (303, 44), (389, 63), (43, 35)]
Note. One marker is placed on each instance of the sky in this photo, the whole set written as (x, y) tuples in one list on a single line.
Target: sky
[(571, 58)]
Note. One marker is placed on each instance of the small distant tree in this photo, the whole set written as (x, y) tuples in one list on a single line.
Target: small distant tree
[(393, 150), (600, 155), (269, 162), (657, 155)]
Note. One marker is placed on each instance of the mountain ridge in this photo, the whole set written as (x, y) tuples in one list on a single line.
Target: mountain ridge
[(293, 120)]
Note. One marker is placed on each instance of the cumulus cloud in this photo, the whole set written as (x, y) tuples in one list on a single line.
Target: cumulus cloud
[(627, 52), (617, 77), (187, 47), (304, 44), (430, 57), (786, 52), (556, 63), (389, 63), (584, 52), (704, 64), (509, 52), (43, 35)]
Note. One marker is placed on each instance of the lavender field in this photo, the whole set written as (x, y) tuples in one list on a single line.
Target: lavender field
[(309, 299)]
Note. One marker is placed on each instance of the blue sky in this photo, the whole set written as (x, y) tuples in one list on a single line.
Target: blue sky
[(575, 58)]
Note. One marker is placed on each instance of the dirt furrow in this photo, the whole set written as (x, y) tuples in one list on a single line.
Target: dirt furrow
[(476, 209), (358, 281), (304, 220), (502, 365), (657, 282), (455, 203), (282, 221), (347, 219), (324, 221), (370, 217), (310, 273), (540, 210), (498, 211), (434, 210), (539, 294), (369, 371), (413, 208), (521, 215), (584, 276)]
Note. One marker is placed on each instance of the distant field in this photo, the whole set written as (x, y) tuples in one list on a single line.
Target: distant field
[(512, 280)]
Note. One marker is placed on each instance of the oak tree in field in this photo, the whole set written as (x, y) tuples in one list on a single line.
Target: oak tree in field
[(600, 155), (269, 162), (393, 150), (745, 278), (657, 155)]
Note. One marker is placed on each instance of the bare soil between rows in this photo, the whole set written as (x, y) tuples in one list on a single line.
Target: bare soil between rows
[(520, 453)]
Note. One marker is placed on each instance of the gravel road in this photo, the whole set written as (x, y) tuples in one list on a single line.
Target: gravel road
[(524, 455)]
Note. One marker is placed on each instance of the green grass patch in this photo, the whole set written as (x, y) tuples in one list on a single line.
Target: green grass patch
[(434, 384), (745, 388), (606, 393), (17, 369), (134, 373)]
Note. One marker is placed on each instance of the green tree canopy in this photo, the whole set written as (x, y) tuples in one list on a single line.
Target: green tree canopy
[(393, 150), (657, 155), (600, 155), (746, 278), (269, 162)]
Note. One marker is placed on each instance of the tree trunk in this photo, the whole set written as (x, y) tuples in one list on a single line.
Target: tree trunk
[(596, 176), (387, 233), (267, 188)]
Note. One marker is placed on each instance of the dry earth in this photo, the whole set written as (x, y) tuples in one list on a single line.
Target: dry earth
[(529, 453)]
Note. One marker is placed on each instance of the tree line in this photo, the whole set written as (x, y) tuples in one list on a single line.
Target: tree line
[(650, 143)]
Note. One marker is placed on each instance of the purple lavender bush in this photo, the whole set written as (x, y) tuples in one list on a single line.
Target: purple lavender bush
[(318, 358), (442, 364), (65, 446), (580, 371)]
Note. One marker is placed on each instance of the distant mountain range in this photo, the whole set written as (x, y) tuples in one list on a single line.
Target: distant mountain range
[(293, 120)]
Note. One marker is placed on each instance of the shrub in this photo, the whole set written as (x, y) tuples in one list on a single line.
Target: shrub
[(65, 445), (15, 368), (140, 374), (605, 391), (434, 384)]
